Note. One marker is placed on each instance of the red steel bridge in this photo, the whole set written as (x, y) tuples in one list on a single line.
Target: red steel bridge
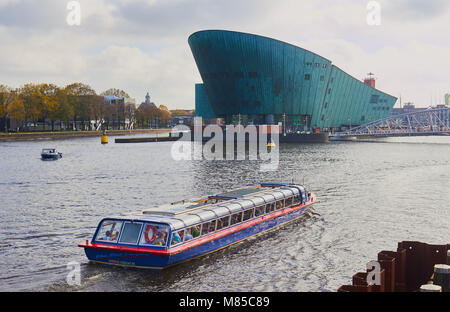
[(432, 121)]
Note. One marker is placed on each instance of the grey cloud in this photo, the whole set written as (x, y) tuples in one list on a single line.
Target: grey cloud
[(411, 10), (34, 15), (169, 17)]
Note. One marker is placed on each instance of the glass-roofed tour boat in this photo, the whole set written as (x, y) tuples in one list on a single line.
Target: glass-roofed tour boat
[(166, 235)]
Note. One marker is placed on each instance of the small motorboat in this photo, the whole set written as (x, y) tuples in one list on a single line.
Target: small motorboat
[(50, 153)]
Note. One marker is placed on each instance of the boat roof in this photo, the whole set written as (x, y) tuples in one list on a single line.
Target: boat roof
[(190, 212)]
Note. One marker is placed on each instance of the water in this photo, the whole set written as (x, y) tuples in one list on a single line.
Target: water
[(371, 196)]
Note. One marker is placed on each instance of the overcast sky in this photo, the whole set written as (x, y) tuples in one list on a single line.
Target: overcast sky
[(141, 45)]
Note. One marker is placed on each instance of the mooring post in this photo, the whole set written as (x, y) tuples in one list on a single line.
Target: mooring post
[(430, 288), (442, 276)]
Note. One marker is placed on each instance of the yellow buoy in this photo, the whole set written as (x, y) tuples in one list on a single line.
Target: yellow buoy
[(104, 138), (271, 144)]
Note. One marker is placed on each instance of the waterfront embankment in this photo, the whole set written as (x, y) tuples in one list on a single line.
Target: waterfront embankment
[(72, 134)]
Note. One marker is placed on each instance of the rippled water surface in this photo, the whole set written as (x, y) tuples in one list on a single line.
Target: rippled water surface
[(371, 195)]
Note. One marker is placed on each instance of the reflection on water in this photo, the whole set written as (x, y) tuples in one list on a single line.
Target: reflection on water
[(370, 196)]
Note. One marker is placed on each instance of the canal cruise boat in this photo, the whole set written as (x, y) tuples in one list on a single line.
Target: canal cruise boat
[(166, 235)]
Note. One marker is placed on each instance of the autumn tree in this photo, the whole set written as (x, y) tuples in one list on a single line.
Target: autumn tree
[(31, 98), (119, 109), (116, 92), (97, 108), (65, 110), (16, 107), (49, 102), (78, 96), (165, 115), (5, 97)]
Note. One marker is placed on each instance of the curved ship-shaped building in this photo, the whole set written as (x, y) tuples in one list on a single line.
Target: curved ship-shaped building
[(266, 81)]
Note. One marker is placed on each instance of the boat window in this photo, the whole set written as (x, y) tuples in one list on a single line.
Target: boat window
[(195, 231), (177, 237), (212, 225), (288, 201), (208, 227), (223, 222), (259, 211), (279, 204), (109, 231), (130, 233), (236, 218), (270, 207), (191, 233), (297, 199), (154, 234), (248, 214)]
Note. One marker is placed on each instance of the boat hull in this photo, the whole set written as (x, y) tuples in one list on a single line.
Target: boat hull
[(44, 156), (193, 249)]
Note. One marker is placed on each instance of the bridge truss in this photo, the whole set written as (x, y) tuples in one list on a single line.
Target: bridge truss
[(427, 122)]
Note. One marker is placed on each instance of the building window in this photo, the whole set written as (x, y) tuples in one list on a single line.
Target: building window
[(331, 80), (324, 65), (374, 99), (325, 105), (363, 118), (329, 91), (322, 78), (307, 77), (308, 64), (317, 64)]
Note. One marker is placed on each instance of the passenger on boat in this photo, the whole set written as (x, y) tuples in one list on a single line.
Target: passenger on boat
[(188, 235), (176, 238), (236, 218), (161, 238), (259, 211), (111, 236), (212, 226), (195, 231)]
